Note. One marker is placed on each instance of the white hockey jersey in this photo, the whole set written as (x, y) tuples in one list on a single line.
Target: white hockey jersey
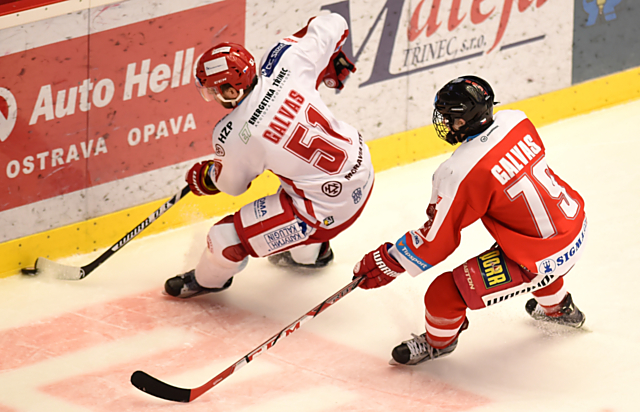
[(284, 126)]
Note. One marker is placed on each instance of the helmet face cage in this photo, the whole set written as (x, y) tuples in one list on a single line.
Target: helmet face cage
[(469, 98), (225, 63), (441, 124)]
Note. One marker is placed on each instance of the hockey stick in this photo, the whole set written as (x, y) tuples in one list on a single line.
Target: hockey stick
[(46, 266), (159, 389)]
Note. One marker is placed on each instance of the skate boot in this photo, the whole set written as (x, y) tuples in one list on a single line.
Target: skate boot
[(185, 286), (284, 259), (567, 313), (418, 350)]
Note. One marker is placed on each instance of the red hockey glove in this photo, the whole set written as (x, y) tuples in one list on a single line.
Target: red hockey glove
[(379, 268), (199, 181), (337, 71)]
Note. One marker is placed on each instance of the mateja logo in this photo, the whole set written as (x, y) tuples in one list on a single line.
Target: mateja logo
[(8, 113)]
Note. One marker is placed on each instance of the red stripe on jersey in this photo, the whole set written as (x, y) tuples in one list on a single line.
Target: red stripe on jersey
[(303, 31), (342, 39), (307, 203), (338, 45)]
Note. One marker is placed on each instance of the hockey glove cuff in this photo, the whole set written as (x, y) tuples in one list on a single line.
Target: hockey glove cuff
[(199, 180), (337, 71), (378, 267)]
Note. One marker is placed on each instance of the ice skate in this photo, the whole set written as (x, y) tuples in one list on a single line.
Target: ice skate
[(567, 313), (418, 350), (284, 259), (185, 286)]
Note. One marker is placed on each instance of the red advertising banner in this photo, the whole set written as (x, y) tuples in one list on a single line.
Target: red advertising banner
[(114, 104), (15, 6)]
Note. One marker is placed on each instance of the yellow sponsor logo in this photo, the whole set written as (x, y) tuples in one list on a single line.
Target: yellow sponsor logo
[(494, 269)]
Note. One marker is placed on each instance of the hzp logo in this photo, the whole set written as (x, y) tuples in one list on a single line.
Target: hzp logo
[(8, 113)]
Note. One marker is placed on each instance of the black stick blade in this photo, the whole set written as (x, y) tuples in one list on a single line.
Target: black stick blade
[(29, 271), (152, 386)]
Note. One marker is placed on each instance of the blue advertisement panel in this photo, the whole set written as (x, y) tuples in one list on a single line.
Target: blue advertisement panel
[(605, 38)]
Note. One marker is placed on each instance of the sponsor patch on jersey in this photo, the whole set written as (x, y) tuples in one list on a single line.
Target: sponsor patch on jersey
[(356, 196), (245, 133), (284, 236), (328, 221), (493, 269), (406, 251), (416, 238), (224, 133), (219, 150), (332, 188), (559, 259), (273, 58), (547, 266), (260, 208)]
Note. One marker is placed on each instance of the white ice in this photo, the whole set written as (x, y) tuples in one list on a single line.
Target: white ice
[(71, 345)]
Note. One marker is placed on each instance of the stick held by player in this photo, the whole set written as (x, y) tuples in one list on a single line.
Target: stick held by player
[(498, 174), (278, 122)]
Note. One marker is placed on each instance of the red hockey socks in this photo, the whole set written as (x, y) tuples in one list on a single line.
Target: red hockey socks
[(445, 311)]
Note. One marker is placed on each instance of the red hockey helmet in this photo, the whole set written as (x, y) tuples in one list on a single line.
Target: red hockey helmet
[(225, 63)]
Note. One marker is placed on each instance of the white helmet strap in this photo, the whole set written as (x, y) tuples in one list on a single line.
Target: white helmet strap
[(233, 102)]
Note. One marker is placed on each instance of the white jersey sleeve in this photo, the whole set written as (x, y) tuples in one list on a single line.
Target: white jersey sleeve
[(322, 37), (234, 170)]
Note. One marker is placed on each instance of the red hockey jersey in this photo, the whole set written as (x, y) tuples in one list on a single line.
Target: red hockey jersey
[(501, 177)]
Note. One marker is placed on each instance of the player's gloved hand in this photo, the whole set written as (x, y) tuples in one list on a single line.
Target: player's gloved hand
[(337, 71), (199, 181), (378, 267)]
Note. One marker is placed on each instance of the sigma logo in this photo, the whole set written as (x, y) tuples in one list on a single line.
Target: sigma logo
[(260, 208), (547, 266), (8, 113), (332, 188)]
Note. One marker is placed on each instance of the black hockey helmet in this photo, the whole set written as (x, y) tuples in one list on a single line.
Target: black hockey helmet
[(469, 98)]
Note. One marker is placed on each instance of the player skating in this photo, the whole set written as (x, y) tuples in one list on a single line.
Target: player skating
[(278, 123), (499, 175)]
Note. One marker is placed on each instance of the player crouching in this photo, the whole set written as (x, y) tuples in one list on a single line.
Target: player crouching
[(498, 175), (278, 123)]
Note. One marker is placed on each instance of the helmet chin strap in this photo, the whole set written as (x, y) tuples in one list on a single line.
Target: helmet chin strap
[(233, 102), (454, 138)]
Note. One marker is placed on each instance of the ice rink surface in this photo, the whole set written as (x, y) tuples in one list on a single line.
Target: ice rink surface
[(71, 346)]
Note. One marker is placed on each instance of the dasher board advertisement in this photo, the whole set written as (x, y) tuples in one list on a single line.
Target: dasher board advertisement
[(95, 123)]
